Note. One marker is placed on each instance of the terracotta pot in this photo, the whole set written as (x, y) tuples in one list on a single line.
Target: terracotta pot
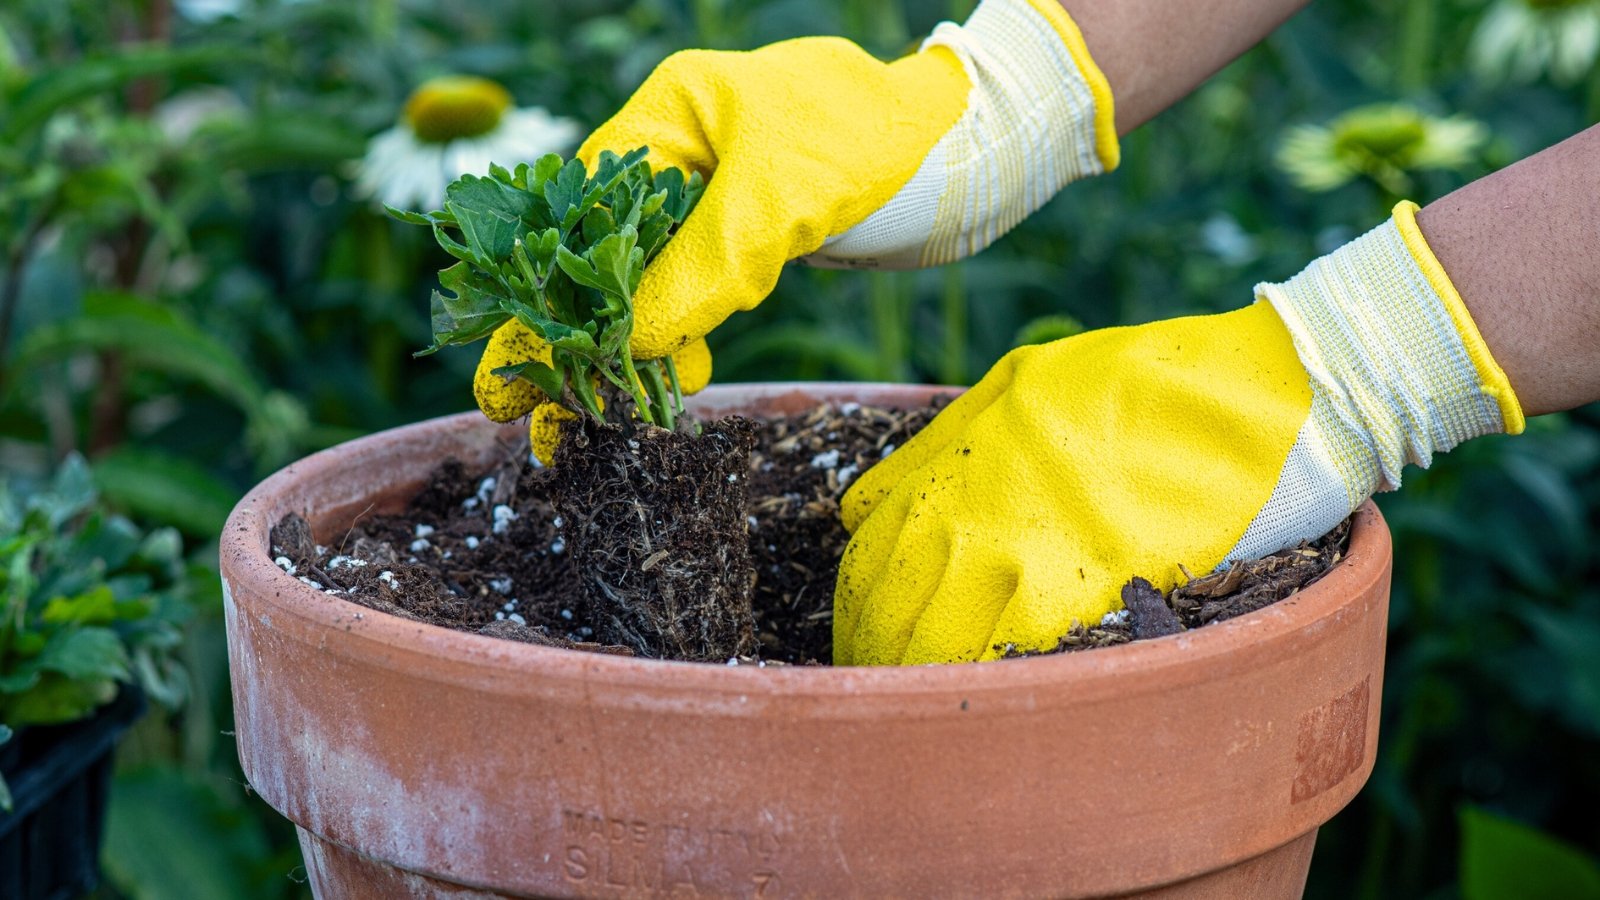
[(422, 762)]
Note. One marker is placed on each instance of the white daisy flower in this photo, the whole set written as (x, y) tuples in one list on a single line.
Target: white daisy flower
[(1384, 142), (1519, 40), (452, 126)]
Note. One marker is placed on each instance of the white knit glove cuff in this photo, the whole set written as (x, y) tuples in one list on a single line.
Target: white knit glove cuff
[(1398, 373), (1038, 116)]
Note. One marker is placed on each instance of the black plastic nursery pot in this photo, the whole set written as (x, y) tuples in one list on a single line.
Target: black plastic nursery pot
[(60, 778)]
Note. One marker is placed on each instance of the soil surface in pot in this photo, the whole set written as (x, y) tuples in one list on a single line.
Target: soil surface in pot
[(487, 551)]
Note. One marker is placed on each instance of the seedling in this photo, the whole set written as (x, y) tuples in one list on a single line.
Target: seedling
[(562, 251)]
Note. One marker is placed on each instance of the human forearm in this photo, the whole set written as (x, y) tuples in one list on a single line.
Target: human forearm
[(1153, 52), (1520, 247)]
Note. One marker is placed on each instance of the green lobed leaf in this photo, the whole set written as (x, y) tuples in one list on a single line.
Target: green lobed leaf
[(544, 169), (559, 335), (467, 310), (546, 379), (413, 218), (682, 192), (610, 266), (490, 214), (598, 223), (564, 193)]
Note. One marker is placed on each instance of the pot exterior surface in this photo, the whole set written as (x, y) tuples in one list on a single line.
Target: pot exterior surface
[(527, 771)]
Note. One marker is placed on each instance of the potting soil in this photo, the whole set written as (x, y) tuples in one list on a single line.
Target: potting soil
[(488, 552)]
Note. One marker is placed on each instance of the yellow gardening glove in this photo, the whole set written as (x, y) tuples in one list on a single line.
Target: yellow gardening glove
[(813, 148), (503, 401), (1073, 466)]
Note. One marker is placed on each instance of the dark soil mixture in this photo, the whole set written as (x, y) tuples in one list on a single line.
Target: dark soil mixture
[(492, 552), (654, 522)]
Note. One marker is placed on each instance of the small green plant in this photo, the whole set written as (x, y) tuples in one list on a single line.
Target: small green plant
[(562, 251), (87, 602)]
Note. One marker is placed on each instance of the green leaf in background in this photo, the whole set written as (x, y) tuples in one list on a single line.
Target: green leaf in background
[(1573, 640), (165, 488), (97, 606), (5, 789), (170, 836), (57, 698), (71, 493), (1505, 860), (1045, 329), (56, 87), (280, 139), (85, 653), (148, 335)]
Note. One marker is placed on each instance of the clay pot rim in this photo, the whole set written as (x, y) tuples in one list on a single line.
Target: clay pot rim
[(388, 640)]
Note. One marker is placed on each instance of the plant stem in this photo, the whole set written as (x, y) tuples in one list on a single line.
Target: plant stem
[(635, 388), (677, 389), (953, 370), (889, 313), (656, 388), (709, 22), (1415, 44)]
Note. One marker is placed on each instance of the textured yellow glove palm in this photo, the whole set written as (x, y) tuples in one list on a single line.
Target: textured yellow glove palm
[(1075, 465), (814, 149)]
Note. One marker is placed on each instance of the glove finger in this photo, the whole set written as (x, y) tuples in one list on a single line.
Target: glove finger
[(877, 482), (901, 589), (544, 430), (693, 364), (958, 620), (1044, 608), (503, 400), (865, 561)]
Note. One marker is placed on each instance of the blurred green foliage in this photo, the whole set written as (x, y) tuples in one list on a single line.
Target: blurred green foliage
[(87, 602), (191, 295)]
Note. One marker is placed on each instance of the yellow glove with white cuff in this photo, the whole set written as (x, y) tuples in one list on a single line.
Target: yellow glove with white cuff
[(813, 149), (1073, 466)]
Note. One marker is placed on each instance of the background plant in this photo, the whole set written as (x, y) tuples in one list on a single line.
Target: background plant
[(286, 309), (88, 603)]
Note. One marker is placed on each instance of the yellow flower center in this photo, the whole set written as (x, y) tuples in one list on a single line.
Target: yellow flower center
[(455, 106)]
